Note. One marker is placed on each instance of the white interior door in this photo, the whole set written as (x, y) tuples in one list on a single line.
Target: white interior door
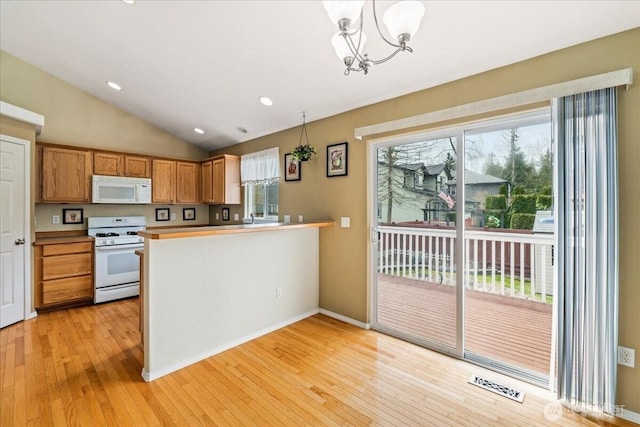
[(13, 230)]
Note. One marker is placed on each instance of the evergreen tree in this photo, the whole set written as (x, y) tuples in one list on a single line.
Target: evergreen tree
[(492, 166), (517, 170)]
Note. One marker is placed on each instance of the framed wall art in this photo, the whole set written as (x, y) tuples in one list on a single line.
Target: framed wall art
[(291, 168), (225, 214), (162, 214), (188, 214), (72, 216), (337, 159)]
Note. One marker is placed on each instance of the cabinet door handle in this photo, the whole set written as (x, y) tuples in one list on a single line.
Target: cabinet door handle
[(19, 241)]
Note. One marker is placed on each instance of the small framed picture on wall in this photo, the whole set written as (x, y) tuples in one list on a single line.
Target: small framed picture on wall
[(162, 214), (188, 214), (337, 157), (72, 216), (225, 214), (291, 168)]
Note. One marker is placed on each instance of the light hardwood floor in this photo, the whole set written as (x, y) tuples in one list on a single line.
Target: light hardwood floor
[(82, 367)]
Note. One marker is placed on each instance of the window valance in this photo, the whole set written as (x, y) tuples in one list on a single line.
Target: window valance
[(261, 167)]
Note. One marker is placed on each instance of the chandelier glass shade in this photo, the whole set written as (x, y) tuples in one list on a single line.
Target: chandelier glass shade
[(402, 20)]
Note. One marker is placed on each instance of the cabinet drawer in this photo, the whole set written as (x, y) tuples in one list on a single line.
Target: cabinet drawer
[(56, 267), (67, 248), (65, 290)]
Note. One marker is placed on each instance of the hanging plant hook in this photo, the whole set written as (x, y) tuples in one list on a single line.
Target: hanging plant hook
[(303, 152)]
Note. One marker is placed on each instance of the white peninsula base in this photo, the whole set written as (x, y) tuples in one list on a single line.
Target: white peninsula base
[(208, 292)]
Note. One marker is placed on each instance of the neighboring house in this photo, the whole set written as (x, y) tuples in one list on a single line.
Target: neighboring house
[(416, 187), (478, 186), (413, 186)]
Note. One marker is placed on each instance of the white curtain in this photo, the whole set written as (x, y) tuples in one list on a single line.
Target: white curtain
[(261, 167), (588, 250)]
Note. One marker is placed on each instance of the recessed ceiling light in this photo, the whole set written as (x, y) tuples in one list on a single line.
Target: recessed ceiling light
[(129, 1), (198, 130), (114, 85), (265, 100)]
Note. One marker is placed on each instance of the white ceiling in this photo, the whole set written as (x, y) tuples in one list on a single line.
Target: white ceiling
[(186, 64)]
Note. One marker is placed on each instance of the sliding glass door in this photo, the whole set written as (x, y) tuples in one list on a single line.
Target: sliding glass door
[(465, 242), (416, 262)]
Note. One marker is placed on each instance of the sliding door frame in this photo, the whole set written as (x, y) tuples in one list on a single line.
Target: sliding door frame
[(372, 197), (457, 131)]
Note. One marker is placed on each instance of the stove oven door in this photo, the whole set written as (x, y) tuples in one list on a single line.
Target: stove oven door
[(117, 271)]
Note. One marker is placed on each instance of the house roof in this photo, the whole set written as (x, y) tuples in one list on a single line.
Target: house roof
[(410, 166), (475, 178), (435, 169), (430, 170)]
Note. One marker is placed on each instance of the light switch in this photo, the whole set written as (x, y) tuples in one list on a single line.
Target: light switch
[(345, 222)]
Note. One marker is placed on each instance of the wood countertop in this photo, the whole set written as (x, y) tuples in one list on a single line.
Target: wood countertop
[(176, 233), (61, 240)]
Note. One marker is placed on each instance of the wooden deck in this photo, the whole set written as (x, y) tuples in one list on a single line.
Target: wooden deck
[(507, 329)]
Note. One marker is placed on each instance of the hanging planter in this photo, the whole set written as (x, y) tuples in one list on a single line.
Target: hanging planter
[(303, 152)]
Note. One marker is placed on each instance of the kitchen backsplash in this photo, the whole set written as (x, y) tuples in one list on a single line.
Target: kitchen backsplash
[(45, 212)]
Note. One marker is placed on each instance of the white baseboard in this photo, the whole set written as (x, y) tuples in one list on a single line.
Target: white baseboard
[(150, 376), (634, 417), (31, 315), (345, 319)]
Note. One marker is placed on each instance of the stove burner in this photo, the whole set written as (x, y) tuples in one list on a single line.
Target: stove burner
[(106, 234)]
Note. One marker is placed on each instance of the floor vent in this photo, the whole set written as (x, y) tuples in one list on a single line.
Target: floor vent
[(502, 390)]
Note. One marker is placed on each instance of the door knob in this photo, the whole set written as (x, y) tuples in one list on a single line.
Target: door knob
[(19, 242)]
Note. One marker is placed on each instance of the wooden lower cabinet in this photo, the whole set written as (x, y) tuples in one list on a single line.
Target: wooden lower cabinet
[(63, 272)]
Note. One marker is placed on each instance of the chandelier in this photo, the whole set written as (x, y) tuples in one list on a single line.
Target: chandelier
[(402, 20)]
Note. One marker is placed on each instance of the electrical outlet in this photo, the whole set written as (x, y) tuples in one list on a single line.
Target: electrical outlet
[(278, 292), (287, 219), (236, 217), (345, 222), (55, 219), (217, 215), (173, 217), (300, 218), (626, 356)]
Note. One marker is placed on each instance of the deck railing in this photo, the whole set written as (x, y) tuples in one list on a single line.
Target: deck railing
[(512, 264)]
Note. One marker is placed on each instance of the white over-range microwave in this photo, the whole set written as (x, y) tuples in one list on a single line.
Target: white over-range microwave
[(119, 189)]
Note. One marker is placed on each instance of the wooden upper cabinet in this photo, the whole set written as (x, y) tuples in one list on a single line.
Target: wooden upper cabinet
[(221, 180), (139, 167), (163, 181), (207, 182), (115, 164), (187, 182), (108, 164), (65, 175), (218, 181)]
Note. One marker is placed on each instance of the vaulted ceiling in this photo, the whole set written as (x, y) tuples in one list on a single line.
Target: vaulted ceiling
[(186, 64)]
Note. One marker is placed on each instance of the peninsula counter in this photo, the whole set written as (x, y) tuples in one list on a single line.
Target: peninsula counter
[(208, 289)]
